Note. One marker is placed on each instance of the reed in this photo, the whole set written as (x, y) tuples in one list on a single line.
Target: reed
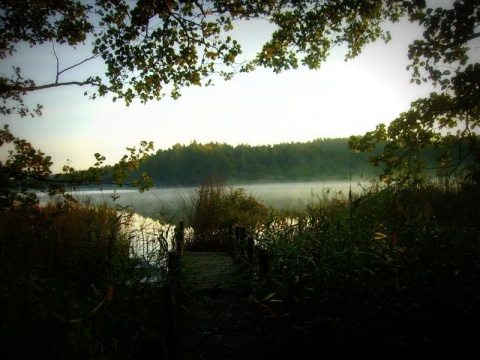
[(216, 208), (392, 271), (70, 287), (389, 272)]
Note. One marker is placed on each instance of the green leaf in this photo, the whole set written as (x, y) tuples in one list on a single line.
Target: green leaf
[(269, 296)]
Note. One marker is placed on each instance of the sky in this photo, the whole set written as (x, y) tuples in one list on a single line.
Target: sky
[(258, 108)]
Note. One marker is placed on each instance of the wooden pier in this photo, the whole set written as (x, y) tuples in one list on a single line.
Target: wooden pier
[(207, 270), (214, 316), (217, 318)]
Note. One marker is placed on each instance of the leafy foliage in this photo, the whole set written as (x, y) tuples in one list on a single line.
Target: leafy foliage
[(427, 124), (149, 46), (27, 171), (24, 170), (449, 118)]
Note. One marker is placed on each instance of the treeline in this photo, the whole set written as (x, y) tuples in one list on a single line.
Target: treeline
[(196, 163)]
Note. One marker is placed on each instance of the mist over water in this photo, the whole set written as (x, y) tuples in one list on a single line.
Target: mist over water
[(287, 196), (174, 204)]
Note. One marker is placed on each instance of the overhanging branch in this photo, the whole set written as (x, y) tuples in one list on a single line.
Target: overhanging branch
[(4, 88)]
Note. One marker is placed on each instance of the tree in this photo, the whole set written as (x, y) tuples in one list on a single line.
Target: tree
[(27, 170), (151, 46), (448, 119)]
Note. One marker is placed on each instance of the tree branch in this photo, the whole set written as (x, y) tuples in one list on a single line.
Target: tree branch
[(58, 62), (78, 64), (9, 88), (450, 45), (96, 181), (473, 36)]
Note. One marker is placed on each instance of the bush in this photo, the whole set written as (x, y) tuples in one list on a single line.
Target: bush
[(216, 209), (69, 287), (392, 272)]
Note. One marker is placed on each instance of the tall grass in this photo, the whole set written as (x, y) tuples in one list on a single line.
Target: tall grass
[(216, 208), (69, 286), (390, 273)]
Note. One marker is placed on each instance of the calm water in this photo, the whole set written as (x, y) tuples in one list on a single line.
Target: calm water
[(174, 203)]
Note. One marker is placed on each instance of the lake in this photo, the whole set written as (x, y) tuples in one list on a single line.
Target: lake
[(174, 203)]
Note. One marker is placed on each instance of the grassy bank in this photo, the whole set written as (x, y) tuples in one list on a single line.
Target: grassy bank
[(69, 286), (388, 273)]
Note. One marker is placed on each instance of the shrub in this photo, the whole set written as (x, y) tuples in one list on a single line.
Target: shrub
[(216, 208), (69, 287), (391, 272)]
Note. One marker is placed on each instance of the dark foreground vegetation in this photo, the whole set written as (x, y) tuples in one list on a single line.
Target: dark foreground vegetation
[(391, 273), (69, 288)]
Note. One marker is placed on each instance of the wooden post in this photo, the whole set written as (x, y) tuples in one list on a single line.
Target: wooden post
[(174, 268), (250, 250), (180, 237), (242, 234), (169, 311), (231, 241), (237, 233)]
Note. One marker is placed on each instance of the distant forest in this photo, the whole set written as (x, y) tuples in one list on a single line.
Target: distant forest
[(193, 164), (317, 160)]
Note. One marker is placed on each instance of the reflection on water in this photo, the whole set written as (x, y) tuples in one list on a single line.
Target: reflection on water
[(174, 204), (150, 239)]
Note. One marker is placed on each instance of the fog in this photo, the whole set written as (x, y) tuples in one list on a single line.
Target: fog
[(173, 204)]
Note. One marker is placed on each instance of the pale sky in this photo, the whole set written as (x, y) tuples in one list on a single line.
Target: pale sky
[(339, 100)]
